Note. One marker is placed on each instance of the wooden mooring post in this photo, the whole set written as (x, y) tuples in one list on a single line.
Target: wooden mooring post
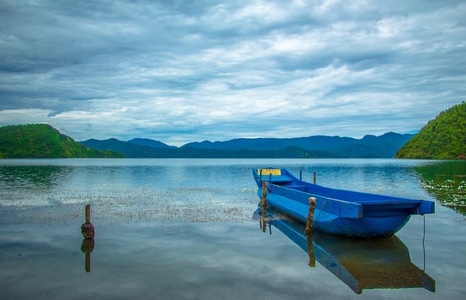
[(87, 229), (310, 216), (264, 194), (264, 205), (88, 213), (88, 232)]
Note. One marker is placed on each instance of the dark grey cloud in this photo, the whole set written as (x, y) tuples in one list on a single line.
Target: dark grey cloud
[(181, 71)]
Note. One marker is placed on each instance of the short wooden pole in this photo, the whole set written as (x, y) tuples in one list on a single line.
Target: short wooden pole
[(264, 194), (264, 205), (88, 232), (315, 178), (310, 216), (87, 229), (88, 213)]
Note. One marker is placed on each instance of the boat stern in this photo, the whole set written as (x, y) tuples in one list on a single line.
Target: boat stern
[(426, 207)]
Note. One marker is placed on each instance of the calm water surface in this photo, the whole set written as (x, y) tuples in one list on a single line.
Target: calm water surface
[(184, 229)]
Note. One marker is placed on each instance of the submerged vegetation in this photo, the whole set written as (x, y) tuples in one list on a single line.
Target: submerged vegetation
[(55, 201), (116, 206), (446, 181)]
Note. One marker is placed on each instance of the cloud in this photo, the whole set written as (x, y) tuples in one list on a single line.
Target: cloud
[(180, 71)]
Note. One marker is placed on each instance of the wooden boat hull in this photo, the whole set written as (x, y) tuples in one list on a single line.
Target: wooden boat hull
[(338, 212)]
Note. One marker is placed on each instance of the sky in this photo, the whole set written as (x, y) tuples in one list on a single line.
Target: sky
[(185, 71)]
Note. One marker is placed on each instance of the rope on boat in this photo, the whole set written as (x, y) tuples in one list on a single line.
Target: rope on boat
[(423, 242), (423, 239), (321, 208)]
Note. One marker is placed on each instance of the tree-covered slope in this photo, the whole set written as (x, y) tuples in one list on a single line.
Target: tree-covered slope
[(43, 141), (442, 138)]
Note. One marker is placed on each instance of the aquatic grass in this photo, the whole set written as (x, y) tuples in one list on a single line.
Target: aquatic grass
[(450, 192), (114, 204)]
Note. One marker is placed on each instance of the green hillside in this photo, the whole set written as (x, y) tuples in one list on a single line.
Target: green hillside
[(43, 141), (442, 138)]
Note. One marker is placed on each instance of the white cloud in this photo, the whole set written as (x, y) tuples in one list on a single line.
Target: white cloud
[(188, 71)]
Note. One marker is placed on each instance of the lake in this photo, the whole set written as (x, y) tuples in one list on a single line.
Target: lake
[(185, 229)]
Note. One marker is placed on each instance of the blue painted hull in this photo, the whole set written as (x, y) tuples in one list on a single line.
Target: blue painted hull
[(338, 212)]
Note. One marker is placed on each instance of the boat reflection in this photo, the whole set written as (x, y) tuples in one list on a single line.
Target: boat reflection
[(360, 263)]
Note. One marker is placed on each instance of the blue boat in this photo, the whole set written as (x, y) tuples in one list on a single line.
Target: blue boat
[(359, 263), (337, 212)]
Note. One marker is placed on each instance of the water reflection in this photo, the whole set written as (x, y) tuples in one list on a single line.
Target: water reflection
[(31, 176), (87, 247), (359, 263), (446, 181)]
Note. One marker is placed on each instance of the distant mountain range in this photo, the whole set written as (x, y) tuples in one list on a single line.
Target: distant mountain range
[(384, 146), (442, 138)]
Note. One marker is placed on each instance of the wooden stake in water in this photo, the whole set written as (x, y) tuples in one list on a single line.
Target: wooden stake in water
[(87, 229), (310, 216), (264, 194), (264, 205), (88, 213)]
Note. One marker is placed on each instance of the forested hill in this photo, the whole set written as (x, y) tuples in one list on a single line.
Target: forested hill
[(442, 138), (43, 141)]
